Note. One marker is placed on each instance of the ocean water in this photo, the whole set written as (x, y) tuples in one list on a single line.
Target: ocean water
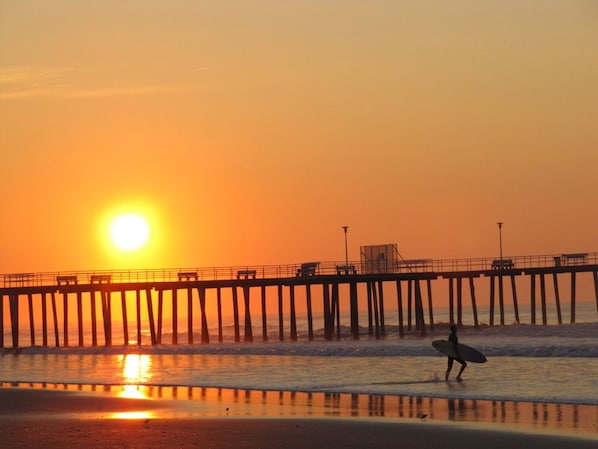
[(537, 378), (532, 363)]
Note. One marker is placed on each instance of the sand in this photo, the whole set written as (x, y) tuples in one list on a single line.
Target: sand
[(37, 418)]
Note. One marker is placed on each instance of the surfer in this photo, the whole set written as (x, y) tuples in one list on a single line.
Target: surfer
[(454, 340)]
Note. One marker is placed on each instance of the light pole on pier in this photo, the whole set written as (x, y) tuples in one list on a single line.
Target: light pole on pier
[(500, 238), (346, 249)]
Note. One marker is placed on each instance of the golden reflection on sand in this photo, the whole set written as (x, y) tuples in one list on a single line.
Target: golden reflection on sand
[(132, 415), (219, 402)]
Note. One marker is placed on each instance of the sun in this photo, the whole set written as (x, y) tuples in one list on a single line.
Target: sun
[(129, 231)]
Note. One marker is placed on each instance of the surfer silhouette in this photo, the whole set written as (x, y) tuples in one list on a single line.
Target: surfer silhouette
[(454, 340)]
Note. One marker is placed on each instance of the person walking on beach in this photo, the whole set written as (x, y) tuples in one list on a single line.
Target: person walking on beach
[(454, 340)]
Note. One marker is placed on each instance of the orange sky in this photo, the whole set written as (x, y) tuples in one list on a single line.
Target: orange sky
[(249, 132)]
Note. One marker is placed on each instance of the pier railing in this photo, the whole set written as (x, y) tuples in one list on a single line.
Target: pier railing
[(298, 270)]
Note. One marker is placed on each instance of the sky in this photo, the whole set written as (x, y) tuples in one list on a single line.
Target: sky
[(250, 132)]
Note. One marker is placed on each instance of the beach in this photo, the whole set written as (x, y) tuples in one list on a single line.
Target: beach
[(33, 418)]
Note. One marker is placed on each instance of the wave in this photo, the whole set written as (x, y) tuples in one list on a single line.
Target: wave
[(572, 340)]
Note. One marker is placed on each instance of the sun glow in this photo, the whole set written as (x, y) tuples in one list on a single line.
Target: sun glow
[(129, 231)]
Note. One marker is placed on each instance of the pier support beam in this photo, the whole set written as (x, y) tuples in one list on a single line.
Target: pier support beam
[(335, 311), (573, 298), (65, 319), (138, 314), (125, 317), (160, 317), (219, 307), (354, 310), (533, 298), (515, 303), (55, 319), (264, 315), (107, 315), (189, 315), (376, 312), (419, 309), (543, 299), (474, 306), (205, 332), (451, 301), (14, 319), (280, 313), (381, 307), (31, 321), (293, 313), (430, 306), (327, 309), (400, 308), (1, 320), (459, 301), (44, 321), (150, 314), (248, 326), (310, 318), (175, 316), (80, 318), (557, 299), (236, 314), (94, 318)]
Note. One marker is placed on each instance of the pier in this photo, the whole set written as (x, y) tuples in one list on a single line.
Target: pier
[(53, 309)]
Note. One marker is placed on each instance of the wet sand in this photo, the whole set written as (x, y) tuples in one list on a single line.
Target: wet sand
[(33, 418)]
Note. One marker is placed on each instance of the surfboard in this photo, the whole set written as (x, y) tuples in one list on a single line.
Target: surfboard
[(468, 353)]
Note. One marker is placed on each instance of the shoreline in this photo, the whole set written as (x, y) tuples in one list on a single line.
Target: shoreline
[(95, 406)]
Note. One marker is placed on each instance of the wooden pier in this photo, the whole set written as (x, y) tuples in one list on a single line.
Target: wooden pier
[(57, 303)]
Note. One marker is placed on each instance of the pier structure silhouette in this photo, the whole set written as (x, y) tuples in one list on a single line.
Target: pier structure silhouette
[(68, 299)]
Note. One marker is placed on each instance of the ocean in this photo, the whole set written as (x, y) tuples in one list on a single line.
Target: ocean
[(542, 365)]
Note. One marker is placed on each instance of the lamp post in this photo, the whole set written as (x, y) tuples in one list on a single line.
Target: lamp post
[(500, 237), (346, 250)]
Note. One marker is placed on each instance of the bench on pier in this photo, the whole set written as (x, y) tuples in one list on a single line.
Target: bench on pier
[(503, 264), (307, 269), (410, 264), (188, 276), (66, 280), (246, 274), (574, 259), (100, 278), (346, 269), (20, 279)]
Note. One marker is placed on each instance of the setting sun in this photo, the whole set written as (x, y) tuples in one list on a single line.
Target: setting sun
[(129, 232)]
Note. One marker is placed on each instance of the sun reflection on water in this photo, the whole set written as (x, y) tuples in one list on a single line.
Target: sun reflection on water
[(136, 370)]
